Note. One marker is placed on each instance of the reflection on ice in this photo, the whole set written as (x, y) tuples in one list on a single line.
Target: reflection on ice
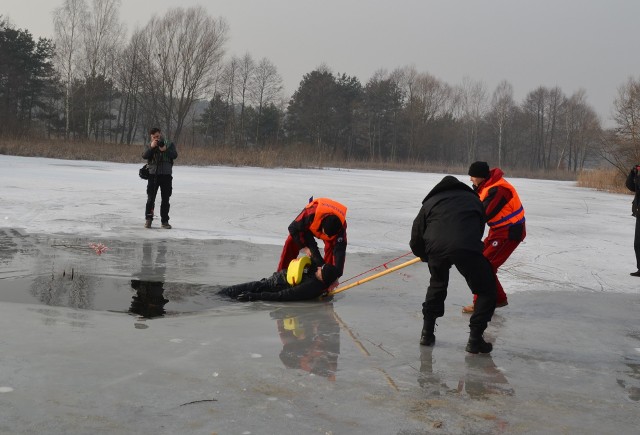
[(310, 338), (72, 290), (481, 377), (631, 383), (148, 301)]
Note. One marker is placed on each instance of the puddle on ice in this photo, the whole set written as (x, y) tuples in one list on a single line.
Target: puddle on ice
[(148, 299), (148, 278)]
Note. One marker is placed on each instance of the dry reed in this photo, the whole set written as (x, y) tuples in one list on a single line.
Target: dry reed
[(607, 180), (291, 156)]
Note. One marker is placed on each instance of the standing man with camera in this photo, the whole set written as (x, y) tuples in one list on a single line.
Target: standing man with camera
[(160, 154)]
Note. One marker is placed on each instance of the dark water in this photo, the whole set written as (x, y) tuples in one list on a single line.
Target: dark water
[(150, 278)]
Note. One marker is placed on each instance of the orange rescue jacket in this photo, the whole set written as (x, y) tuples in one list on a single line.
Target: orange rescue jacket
[(511, 213), (324, 207)]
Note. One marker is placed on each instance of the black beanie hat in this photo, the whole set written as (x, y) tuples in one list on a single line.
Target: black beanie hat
[(329, 273), (331, 225), (479, 169)]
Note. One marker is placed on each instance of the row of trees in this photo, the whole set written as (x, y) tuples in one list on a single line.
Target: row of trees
[(115, 89), (90, 82), (28, 84), (410, 116)]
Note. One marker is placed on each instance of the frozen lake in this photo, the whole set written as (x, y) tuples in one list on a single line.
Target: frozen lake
[(80, 356)]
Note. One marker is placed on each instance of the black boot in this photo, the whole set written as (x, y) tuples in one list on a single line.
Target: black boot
[(426, 337), (476, 343)]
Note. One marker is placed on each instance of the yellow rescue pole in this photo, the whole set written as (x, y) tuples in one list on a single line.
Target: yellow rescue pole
[(377, 275)]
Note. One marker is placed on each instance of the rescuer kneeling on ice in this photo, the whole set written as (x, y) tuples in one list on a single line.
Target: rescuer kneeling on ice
[(324, 219)]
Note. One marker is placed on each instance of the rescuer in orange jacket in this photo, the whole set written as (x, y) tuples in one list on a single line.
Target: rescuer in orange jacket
[(322, 218), (505, 217)]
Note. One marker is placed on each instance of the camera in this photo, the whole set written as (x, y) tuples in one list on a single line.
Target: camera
[(160, 143)]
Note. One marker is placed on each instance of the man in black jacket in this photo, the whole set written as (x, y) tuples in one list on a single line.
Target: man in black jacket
[(448, 232), (633, 184), (159, 154), (315, 282)]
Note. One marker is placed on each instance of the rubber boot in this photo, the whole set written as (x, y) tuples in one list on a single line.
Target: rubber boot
[(426, 337), (476, 343)]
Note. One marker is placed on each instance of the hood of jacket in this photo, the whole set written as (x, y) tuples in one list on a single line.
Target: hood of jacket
[(447, 183)]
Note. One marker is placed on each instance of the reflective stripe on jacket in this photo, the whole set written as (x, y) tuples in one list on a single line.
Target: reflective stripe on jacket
[(512, 212)]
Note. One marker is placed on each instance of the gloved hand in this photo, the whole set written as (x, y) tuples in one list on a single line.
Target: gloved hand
[(246, 297), (333, 286)]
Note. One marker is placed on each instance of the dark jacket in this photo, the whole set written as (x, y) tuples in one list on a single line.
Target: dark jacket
[(160, 163), (633, 184), (450, 221), (276, 288)]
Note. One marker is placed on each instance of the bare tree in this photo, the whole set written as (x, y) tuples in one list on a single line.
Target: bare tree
[(627, 117), (555, 109), (582, 130), (129, 80), (67, 21), (229, 77), (544, 109), (405, 78), (621, 147), (181, 52), (434, 99), (473, 101), (246, 69), (502, 106), (102, 32), (426, 99), (102, 35), (266, 85)]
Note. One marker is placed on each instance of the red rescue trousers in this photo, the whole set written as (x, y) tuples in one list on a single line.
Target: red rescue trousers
[(497, 250)]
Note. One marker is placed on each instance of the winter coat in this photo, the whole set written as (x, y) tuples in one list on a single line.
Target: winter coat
[(633, 184), (160, 162), (503, 210), (450, 221)]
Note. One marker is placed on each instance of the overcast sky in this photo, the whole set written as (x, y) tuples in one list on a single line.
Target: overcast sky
[(573, 44)]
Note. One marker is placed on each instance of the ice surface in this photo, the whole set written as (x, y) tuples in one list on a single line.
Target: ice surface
[(76, 361), (577, 238)]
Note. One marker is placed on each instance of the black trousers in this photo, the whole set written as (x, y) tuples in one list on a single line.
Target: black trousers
[(636, 242), (476, 270), (276, 288), (164, 183)]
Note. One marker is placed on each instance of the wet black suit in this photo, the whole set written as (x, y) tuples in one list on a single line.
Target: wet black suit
[(448, 232), (276, 288)]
